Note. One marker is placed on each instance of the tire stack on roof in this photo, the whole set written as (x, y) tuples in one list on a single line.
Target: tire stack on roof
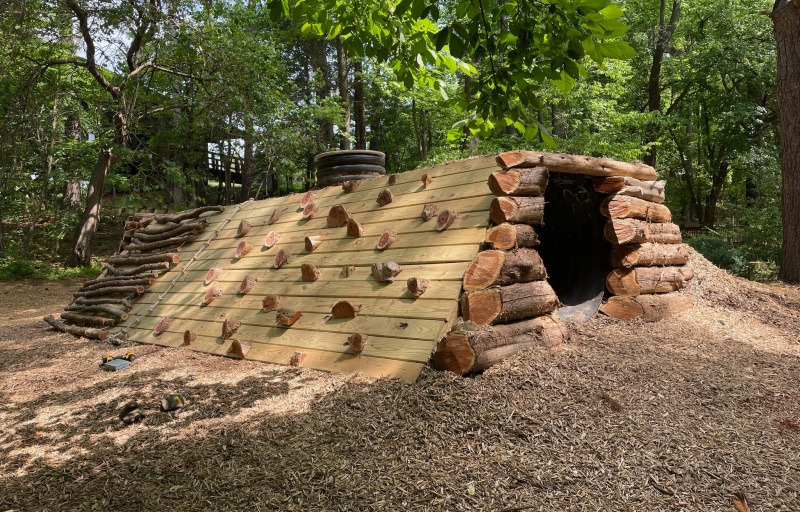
[(336, 167)]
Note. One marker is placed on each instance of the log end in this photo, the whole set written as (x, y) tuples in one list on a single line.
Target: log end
[(454, 354)]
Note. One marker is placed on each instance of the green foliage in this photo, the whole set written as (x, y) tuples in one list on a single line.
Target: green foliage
[(15, 269)]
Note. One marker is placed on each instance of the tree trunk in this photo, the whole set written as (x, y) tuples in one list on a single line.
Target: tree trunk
[(247, 164), (72, 192), (344, 91), (359, 106), (786, 17), (87, 227)]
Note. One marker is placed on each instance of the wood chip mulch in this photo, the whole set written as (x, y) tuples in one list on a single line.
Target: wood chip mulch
[(682, 414)]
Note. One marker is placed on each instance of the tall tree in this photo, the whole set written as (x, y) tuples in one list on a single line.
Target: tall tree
[(786, 18)]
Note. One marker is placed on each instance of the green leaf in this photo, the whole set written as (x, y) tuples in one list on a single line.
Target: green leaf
[(441, 38), (611, 11), (457, 46), (616, 50), (546, 136), (417, 8), (455, 133), (449, 62), (531, 131), (402, 8)]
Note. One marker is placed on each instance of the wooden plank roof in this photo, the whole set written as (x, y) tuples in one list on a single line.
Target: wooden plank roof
[(402, 331)]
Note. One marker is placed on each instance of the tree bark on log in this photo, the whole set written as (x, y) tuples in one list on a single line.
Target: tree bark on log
[(194, 229), (189, 214), (81, 301), (649, 255), (150, 267), (159, 229), (625, 207), (229, 327), (386, 239), (646, 280), (99, 308), (86, 332), (574, 164), (508, 303), (116, 290), (189, 337), (385, 197), (350, 186), (238, 349), (519, 182), (385, 272), (649, 308), (144, 259), (338, 216), (97, 321), (287, 317), (429, 211), (502, 268), (417, 286), (508, 236), (354, 229), (117, 279), (460, 350), (309, 273), (635, 231), (131, 281), (312, 242), (525, 210), (345, 309), (625, 186)]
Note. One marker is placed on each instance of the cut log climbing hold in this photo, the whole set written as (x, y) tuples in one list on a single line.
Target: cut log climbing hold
[(229, 327), (270, 302), (385, 197), (426, 180), (354, 229), (246, 285), (163, 324), (387, 239), (243, 229), (312, 242), (238, 349), (189, 337), (242, 249), (345, 309), (211, 275), (310, 210), (350, 186), (309, 273), (357, 343), (287, 317), (349, 270), (417, 286), (429, 211), (210, 295), (385, 272), (298, 358), (338, 216), (281, 258), (392, 179), (306, 198), (445, 220), (277, 213), (270, 239)]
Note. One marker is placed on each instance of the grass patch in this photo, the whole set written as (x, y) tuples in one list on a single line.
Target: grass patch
[(15, 269)]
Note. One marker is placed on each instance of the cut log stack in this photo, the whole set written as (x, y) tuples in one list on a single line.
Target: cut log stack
[(507, 301), (150, 245)]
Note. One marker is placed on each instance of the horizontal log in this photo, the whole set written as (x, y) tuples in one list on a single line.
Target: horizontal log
[(635, 231), (188, 214), (97, 321), (526, 210), (649, 308), (626, 207), (157, 229), (626, 186), (116, 290), (460, 350), (575, 164), (178, 240), (519, 182), (100, 308), (144, 280), (144, 259), (649, 255), (505, 304), (125, 303), (645, 280), (86, 332), (507, 236), (502, 268), (149, 267), (193, 228)]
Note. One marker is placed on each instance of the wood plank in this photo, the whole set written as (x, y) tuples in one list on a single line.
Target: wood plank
[(400, 328), (433, 309), (342, 290), (316, 359), (224, 249)]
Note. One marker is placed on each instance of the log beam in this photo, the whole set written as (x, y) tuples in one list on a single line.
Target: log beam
[(622, 185), (508, 236), (575, 164), (649, 255), (502, 268), (649, 308), (635, 231), (519, 182), (626, 207), (646, 280), (505, 304), (525, 210)]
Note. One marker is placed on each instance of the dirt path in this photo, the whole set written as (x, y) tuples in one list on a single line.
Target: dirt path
[(677, 415)]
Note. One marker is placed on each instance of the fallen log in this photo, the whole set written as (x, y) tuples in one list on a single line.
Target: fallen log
[(519, 182), (159, 229), (625, 186), (417, 286), (97, 321), (193, 228), (460, 350), (354, 229), (502, 268), (385, 272), (81, 301), (86, 332), (357, 342), (634, 231), (645, 280), (189, 214), (626, 207), (130, 281), (505, 304), (287, 317), (309, 273), (386, 239), (98, 308), (345, 309), (179, 240), (118, 280), (385, 197), (312, 242), (508, 236), (429, 211), (144, 259), (150, 267), (649, 255), (649, 308), (574, 164), (115, 290), (445, 219), (525, 210), (338, 216)]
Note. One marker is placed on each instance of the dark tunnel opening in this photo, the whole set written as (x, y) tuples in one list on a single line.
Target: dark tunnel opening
[(572, 246)]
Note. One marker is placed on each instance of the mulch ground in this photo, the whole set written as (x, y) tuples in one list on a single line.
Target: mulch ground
[(681, 414)]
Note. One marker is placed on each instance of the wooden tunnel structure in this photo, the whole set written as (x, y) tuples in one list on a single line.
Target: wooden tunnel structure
[(460, 264)]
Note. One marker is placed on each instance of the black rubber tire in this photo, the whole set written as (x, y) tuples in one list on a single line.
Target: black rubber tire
[(338, 180), (349, 152), (334, 161), (343, 170)]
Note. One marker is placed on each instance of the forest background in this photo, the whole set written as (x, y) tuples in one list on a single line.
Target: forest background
[(121, 104)]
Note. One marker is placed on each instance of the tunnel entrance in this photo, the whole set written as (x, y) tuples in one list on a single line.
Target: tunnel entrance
[(572, 245)]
